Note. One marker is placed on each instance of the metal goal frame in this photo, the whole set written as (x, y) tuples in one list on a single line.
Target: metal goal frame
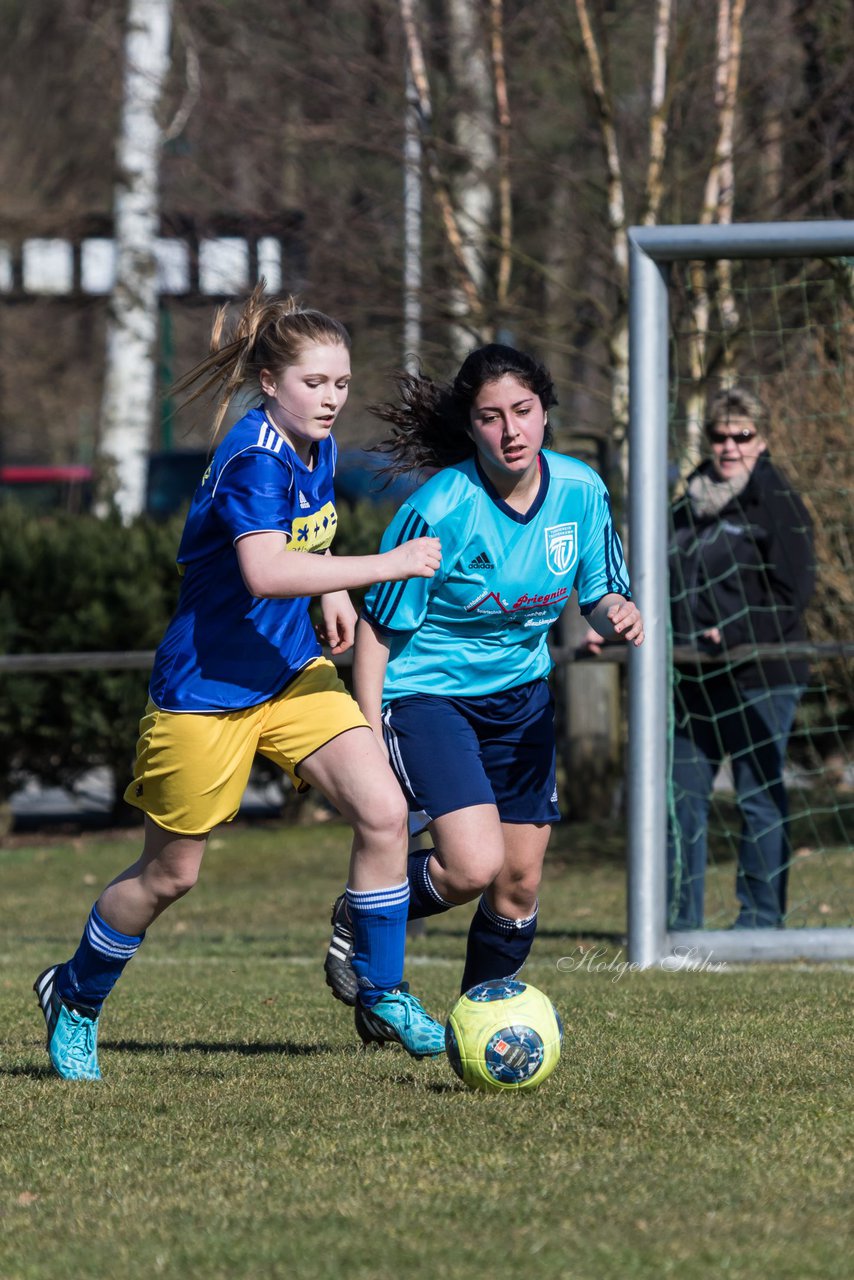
[(652, 249)]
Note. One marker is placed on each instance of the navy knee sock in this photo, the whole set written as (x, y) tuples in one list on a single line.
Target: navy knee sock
[(424, 897), (96, 966), (497, 946)]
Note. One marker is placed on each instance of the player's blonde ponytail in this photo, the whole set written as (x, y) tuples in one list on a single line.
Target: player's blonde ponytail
[(268, 333)]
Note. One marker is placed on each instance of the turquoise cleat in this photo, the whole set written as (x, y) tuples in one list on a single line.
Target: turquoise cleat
[(398, 1018), (72, 1034)]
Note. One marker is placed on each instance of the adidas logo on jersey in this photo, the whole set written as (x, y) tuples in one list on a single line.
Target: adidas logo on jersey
[(482, 562), (303, 501)]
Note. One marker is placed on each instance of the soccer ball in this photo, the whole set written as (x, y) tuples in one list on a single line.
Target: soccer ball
[(503, 1035)]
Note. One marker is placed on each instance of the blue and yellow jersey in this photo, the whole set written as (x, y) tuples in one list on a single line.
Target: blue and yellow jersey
[(480, 625), (225, 649)]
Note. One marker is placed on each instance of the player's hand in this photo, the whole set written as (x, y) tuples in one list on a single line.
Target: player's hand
[(419, 558), (626, 620), (338, 629), (713, 635)]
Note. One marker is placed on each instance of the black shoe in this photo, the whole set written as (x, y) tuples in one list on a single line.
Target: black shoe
[(338, 964)]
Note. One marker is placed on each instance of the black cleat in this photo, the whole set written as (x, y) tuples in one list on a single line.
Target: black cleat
[(338, 965)]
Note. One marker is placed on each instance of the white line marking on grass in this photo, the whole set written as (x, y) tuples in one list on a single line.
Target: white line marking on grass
[(441, 962), (249, 958)]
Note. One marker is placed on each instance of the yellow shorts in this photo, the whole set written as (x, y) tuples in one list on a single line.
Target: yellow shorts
[(192, 769)]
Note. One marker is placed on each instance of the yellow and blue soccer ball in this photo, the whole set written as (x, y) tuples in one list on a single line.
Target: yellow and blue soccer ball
[(503, 1035)]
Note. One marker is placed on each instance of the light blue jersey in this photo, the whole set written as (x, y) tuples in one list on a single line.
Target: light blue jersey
[(225, 649), (481, 624)]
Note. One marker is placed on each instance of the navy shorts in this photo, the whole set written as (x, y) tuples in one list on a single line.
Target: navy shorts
[(451, 753)]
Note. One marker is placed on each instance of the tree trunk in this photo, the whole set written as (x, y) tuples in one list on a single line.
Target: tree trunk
[(130, 388), (474, 135), (718, 202)]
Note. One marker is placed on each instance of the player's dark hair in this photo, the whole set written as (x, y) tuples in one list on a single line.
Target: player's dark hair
[(268, 333), (430, 421)]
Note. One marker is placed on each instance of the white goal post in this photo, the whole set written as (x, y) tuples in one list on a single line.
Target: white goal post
[(652, 249)]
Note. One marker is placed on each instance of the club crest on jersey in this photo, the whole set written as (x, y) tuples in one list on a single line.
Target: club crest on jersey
[(562, 547)]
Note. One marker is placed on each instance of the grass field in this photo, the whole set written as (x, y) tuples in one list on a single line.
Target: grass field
[(699, 1124)]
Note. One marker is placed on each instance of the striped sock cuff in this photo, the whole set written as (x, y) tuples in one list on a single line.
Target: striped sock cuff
[(107, 941), (379, 900), (503, 924), (427, 884)]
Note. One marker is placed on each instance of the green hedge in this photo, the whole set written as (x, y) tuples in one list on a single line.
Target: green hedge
[(73, 584)]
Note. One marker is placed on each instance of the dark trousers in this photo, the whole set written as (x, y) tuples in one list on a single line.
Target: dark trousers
[(713, 719)]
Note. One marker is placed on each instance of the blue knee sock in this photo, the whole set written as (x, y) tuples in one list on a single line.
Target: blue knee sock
[(378, 919), (96, 966), (497, 946), (424, 897)]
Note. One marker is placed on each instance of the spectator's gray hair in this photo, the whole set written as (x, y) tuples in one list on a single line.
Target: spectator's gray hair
[(737, 402)]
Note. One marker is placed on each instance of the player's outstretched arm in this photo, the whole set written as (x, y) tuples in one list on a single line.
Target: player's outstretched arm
[(270, 569), (616, 618)]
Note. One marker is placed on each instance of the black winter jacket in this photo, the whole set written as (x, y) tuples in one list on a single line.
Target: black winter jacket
[(748, 570)]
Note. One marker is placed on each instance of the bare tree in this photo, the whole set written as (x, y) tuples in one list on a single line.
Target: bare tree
[(718, 202), (505, 191), (618, 334), (465, 280), (130, 374), (658, 108), (473, 184), (469, 190)]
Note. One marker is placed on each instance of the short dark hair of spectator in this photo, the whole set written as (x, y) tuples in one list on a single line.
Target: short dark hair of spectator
[(736, 402)]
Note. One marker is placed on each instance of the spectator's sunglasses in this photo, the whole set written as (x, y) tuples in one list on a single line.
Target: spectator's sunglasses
[(740, 437)]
